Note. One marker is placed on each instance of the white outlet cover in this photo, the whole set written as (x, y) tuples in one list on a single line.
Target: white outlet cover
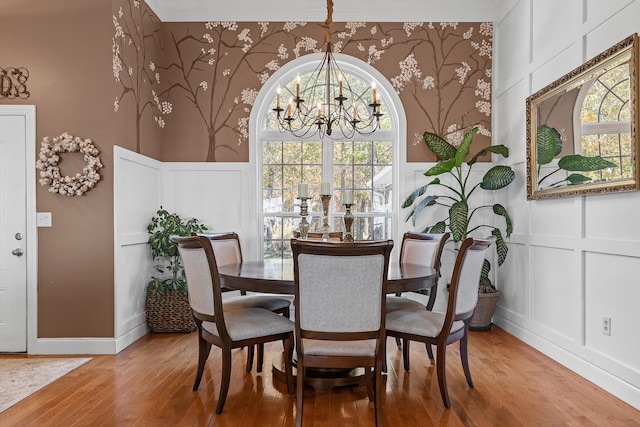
[(43, 219)]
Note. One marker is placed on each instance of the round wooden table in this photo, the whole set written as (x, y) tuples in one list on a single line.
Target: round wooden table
[(276, 277)]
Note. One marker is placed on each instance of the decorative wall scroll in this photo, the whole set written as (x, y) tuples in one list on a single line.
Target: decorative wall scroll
[(49, 157), (13, 83)]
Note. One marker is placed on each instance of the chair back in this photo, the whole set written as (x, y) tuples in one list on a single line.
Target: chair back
[(226, 247), (422, 248), (334, 236), (339, 288), (463, 292), (203, 281)]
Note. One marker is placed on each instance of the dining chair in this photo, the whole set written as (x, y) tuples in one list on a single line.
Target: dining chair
[(423, 249), (227, 249), (223, 328), (339, 305), (334, 236), (442, 329)]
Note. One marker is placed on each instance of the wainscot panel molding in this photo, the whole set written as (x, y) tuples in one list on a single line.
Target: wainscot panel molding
[(137, 196), (572, 261), (220, 195)]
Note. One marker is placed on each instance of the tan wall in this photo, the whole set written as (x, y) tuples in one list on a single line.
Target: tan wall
[(67, 53), (213, 71)]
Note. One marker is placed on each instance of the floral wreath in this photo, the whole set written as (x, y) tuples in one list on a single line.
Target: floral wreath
[(50, 171)]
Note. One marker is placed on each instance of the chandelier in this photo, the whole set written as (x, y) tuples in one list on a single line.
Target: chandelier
[(326, 101)]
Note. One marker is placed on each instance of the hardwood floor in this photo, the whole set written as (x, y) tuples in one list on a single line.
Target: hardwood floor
[(149, 383)]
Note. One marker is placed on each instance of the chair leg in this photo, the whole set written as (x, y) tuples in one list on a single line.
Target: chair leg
[(369, 382), (249, 358), (288, 364), (226, 379), (442, 375), (398, 343), (405, 354), (384, 356), (204, 348), (299, 393), (429, 352), (260, 360), (377, 379), (465, 359)]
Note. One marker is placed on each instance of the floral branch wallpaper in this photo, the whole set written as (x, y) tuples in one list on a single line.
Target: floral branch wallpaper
[(201, 92)]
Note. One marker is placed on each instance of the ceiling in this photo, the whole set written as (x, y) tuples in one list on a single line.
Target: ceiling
[(344, 10)]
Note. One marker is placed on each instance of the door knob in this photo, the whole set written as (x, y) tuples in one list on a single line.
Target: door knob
[(17, 252)]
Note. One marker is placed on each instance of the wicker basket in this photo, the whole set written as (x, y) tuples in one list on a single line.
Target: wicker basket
[(170, 313), (481, 320)]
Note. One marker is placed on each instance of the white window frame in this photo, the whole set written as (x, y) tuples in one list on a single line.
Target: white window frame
[(305, 64)]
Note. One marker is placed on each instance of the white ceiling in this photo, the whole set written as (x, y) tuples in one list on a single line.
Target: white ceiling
[(344, 10)]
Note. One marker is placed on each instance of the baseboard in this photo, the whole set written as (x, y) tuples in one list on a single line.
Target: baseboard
[(88, 345), (610, 383)]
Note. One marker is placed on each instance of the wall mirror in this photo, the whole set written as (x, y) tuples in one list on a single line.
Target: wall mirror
[(582, 128)]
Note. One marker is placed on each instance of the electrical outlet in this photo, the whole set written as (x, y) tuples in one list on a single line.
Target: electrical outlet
[(606, 325)]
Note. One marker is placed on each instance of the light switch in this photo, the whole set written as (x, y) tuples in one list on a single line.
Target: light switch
[(43, 219)]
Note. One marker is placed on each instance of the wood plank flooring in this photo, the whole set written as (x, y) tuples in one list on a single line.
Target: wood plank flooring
[(149, 384)]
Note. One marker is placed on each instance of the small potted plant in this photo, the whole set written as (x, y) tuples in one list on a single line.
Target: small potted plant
[(456, 196), (168, 307)]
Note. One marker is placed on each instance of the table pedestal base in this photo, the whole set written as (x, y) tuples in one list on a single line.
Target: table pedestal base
[(321, 379)]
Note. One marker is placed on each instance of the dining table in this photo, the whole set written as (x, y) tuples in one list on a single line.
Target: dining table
[(275, 276)]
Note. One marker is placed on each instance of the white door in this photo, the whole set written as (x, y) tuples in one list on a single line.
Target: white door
[(13, 230)]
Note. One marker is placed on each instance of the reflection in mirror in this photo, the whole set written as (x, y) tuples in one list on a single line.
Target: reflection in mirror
[(581, 129)]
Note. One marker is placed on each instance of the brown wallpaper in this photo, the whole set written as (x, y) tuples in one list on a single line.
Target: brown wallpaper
[(211, 72), (68, 58)]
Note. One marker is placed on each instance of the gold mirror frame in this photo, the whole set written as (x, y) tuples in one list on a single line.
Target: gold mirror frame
[(556, 104)]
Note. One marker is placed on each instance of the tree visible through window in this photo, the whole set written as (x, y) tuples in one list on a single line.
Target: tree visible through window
[(362, 165), (605, 119)]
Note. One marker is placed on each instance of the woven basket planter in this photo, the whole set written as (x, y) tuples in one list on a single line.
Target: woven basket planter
[(170, 313), (481, 320)]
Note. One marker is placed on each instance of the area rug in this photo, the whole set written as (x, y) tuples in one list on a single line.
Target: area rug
[(20, 377)]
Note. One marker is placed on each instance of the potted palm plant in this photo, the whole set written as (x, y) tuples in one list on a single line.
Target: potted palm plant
[(461, 217), (168, 307)]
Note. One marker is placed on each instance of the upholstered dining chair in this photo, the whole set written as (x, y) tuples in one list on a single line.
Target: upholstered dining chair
[(339, 305), (442, 329), (227, 249), (223, 328), (334, 236), (423, 249)]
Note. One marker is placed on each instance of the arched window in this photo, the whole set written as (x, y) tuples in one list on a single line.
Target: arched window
[(363, 163), (603, 112)]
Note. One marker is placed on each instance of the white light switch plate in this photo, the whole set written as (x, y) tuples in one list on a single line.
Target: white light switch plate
[(43, 219)]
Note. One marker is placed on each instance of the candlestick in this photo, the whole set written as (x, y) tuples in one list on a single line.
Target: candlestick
[(303, 190), (304, 225), (347, 197), (326, 198), (298, 87), (325, 188), (348, 222), (373, 92), (278, 98), (340, 83)]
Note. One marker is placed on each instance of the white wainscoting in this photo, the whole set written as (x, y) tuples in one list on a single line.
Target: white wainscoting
[(137, 194), (571, 261), (222, 196)]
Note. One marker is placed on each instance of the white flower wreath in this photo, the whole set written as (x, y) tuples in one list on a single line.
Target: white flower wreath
[(50, 171)]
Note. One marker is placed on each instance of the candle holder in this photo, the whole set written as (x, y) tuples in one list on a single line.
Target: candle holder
[(326, 199), (304, 225), (348, 222)]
